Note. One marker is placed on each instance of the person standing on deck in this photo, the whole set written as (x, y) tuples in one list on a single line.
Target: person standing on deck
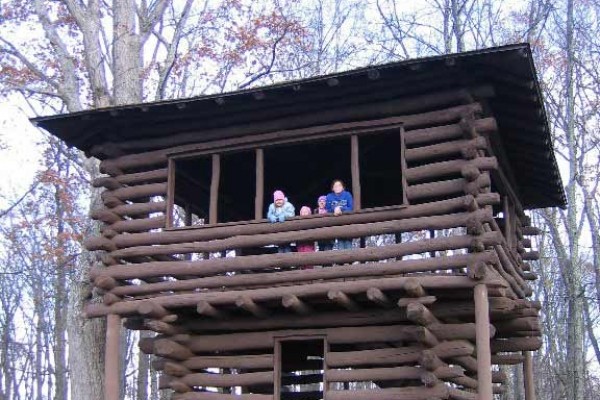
[(340, 201), (324, 245)]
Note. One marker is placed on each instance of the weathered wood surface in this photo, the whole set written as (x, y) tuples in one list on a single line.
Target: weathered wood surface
[(316, 289), (208, 232), (407, 393), (230, 264), (326, 233), (273, 278), (175, 144), (221, 396)]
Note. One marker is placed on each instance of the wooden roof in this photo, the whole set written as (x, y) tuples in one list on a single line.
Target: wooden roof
[(517, 107)]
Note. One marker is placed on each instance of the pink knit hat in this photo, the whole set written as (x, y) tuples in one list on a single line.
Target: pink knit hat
[(278, 195), (305, 211)]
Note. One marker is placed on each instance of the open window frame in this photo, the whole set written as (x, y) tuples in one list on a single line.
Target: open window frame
[(258, 144)]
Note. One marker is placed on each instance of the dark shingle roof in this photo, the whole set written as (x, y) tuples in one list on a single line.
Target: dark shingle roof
[(517, 107)]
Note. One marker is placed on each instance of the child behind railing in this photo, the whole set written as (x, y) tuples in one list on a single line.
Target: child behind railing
[(305, 247)]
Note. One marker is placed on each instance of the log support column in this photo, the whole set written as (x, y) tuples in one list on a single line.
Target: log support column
[(112, 369), (214, 189), (260, 185), (355, 169), (528, 376), (484, 356)]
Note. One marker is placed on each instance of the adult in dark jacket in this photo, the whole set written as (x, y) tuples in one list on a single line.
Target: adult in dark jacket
[(340, 201)]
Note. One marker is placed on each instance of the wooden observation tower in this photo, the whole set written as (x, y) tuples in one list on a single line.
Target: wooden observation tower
[(444, 156)]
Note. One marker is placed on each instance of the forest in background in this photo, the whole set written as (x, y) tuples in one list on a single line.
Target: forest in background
[(71, 55)]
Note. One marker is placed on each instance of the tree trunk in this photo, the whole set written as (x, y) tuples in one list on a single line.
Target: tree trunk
[(60, 295), (127, 58), (575, 339), (86, 336)]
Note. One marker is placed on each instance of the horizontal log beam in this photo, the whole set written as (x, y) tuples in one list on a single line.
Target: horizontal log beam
[(447, 188), (437, 222), (407, 393), (265, 340), (221, 396), (228, 380), (231, 264), (373, 374), (446, 132), (175, 143), (516, 344), (209, 232), (319, 320), (135, 209), (444, 149), (137, 225), (126, 308), (396, 356), (447, 168), (246, 362), (274, 278), (137, 192)]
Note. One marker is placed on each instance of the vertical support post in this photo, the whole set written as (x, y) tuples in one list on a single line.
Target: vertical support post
[(260, 185), (403, 167), (188, 214), (277, 369), (484, 355), (508, 221), (214, 189), (355, 168), (170, 193), (188, 222), (112, 369), (528, 376)]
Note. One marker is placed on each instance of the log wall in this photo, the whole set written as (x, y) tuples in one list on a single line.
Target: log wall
[(399, 317)]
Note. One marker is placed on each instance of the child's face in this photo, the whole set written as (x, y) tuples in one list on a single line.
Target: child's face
[(338, 187), (321, 203), (279, 202)]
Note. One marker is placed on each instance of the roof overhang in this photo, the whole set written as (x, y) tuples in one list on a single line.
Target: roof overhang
[(517, 106)]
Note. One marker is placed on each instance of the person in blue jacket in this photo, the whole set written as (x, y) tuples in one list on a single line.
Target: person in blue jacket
[(340, 201), (279, 211)]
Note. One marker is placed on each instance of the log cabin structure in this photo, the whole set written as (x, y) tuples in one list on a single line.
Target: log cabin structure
[(444, 156)]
